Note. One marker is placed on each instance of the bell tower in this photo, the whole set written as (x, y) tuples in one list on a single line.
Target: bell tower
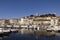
[(37, 14)]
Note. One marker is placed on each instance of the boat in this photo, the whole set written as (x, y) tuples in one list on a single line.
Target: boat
[(9, 26), (1, 30), (6, 30), (37, 30)]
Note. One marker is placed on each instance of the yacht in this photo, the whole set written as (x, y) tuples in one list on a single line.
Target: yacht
[(1, 30), (6, 30)]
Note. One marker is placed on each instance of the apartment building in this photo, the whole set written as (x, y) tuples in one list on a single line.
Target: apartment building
[(13, 21), (58, 21), (2, 21)]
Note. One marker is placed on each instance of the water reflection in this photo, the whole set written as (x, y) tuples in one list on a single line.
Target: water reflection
[(17, 36)]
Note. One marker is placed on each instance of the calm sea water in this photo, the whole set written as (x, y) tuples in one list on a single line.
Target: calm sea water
[(17, 36)]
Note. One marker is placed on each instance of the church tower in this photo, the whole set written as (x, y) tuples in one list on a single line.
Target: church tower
[(37, 14)]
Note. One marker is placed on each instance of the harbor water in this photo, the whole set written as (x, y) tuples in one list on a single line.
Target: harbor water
[(18, 36)]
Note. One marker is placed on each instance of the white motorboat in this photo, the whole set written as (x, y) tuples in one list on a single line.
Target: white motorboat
[(14, 30), (1, 31), (24, 26), (17, 26), (53, 28), (5, 30), (8, 25)]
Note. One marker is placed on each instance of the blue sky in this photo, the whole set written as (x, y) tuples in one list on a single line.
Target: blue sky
[(20, 8)]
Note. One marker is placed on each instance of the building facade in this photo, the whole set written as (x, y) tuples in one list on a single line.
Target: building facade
[(33, 20)]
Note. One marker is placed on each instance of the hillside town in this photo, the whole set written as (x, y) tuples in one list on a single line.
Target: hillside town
[(46, 22)]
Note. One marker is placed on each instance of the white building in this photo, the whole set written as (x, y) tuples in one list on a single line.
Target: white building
[(13, 21)]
